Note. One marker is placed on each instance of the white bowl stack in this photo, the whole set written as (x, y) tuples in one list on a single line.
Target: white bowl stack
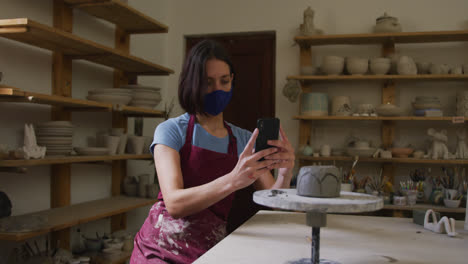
[(144, 96), (56, 136), (111, 95)]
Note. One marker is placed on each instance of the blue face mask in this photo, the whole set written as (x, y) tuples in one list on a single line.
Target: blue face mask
[(216, 102)]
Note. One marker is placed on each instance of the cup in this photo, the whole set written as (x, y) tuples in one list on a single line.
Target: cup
[(411, 197), (112, 143), (325, 151), (136, 144)]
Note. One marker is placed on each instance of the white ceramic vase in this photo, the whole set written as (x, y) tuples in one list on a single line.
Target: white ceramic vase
[(136, 144)]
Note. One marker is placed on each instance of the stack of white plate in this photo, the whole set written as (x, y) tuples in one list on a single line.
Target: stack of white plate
[(111, 95), (144, 96), (56, 136)]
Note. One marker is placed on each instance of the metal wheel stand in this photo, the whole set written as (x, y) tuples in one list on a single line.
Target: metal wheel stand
[(316, 220)]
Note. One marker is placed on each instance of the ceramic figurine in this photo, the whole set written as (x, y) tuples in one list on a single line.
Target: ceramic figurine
[(439, 144), (308, 28), (462, 149), (387, 23), (30, 148), (291, 90), (445, 225)]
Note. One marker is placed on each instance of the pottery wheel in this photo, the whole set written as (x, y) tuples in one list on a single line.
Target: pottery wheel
[(316, 212), (348, 202)]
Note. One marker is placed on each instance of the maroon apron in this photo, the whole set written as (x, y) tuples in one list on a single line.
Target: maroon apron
[(163, 239)]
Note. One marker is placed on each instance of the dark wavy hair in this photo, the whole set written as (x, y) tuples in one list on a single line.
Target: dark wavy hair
[(193, 79)]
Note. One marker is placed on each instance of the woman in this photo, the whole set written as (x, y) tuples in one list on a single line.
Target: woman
[(198, 166)]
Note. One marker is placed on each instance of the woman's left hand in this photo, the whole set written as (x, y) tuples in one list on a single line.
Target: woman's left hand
[(285, 156)]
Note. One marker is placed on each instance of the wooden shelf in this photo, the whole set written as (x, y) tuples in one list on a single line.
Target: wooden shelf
[(127, 18), (381, 160), (436, 208), (377, 118), (132, 111), (64, 217), (381, 38), (381, 77), (12, 94), (49, 160), (27, 31)]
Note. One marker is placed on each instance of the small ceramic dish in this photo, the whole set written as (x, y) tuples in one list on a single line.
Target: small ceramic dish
[(452, 203), (401, 152)]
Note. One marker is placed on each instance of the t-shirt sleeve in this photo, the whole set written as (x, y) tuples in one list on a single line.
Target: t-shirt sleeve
[(242, 136), (167, 133)]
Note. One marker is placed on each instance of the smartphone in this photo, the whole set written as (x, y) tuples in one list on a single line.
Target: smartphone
[(268, 129)]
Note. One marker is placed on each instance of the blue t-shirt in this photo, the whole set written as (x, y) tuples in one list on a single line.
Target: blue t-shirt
[(172, 133)]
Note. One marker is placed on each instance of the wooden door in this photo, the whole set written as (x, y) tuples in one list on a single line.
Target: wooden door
[(253, 57)]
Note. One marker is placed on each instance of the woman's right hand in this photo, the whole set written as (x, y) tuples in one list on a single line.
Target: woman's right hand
[(248, 168)]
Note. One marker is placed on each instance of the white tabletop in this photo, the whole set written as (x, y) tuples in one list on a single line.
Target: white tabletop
[(278, 237)]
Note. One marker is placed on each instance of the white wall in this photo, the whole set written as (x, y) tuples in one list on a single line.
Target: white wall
[(30, 69)]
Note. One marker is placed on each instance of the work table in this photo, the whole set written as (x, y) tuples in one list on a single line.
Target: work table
[(279, 237)]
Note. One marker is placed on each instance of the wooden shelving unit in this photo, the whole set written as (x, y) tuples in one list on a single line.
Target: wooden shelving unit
[(127, 18), (27, 31), (11, 94), (68, 216), (50, 160), (65, 48), (377, 118), (387, 41), (303, 158)]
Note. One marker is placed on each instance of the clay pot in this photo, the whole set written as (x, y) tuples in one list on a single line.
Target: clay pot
[(406, 66), (319, 181), (357, 66), (333, 65), (136, 144), (387, 23), (341, 106), (380, 65), (314, 104), (112, 143)]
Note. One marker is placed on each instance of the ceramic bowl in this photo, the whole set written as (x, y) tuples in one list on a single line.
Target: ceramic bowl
[(357, 66), (380, 65), (308, 70), (361, 152), (389, 110), (401, 152), (333, 65), (452, 203)]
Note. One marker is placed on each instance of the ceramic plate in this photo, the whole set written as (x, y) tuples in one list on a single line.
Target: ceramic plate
[(110, 98), (136, 87), (146, 95), (66, 124), (361, 152), (91, 151)]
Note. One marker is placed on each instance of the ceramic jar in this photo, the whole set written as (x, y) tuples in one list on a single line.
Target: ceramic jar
[(308, 70), (341, 106), (333, 65), (319, 181), (380, 65), (356, 65), (406, 66), (462, 103), (325, 150), (387, 23), (314, 104), (423, 67)]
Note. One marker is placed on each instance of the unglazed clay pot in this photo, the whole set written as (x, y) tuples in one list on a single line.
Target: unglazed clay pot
[(380, 65), (319, 181), (356, 65), (333, 65)]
